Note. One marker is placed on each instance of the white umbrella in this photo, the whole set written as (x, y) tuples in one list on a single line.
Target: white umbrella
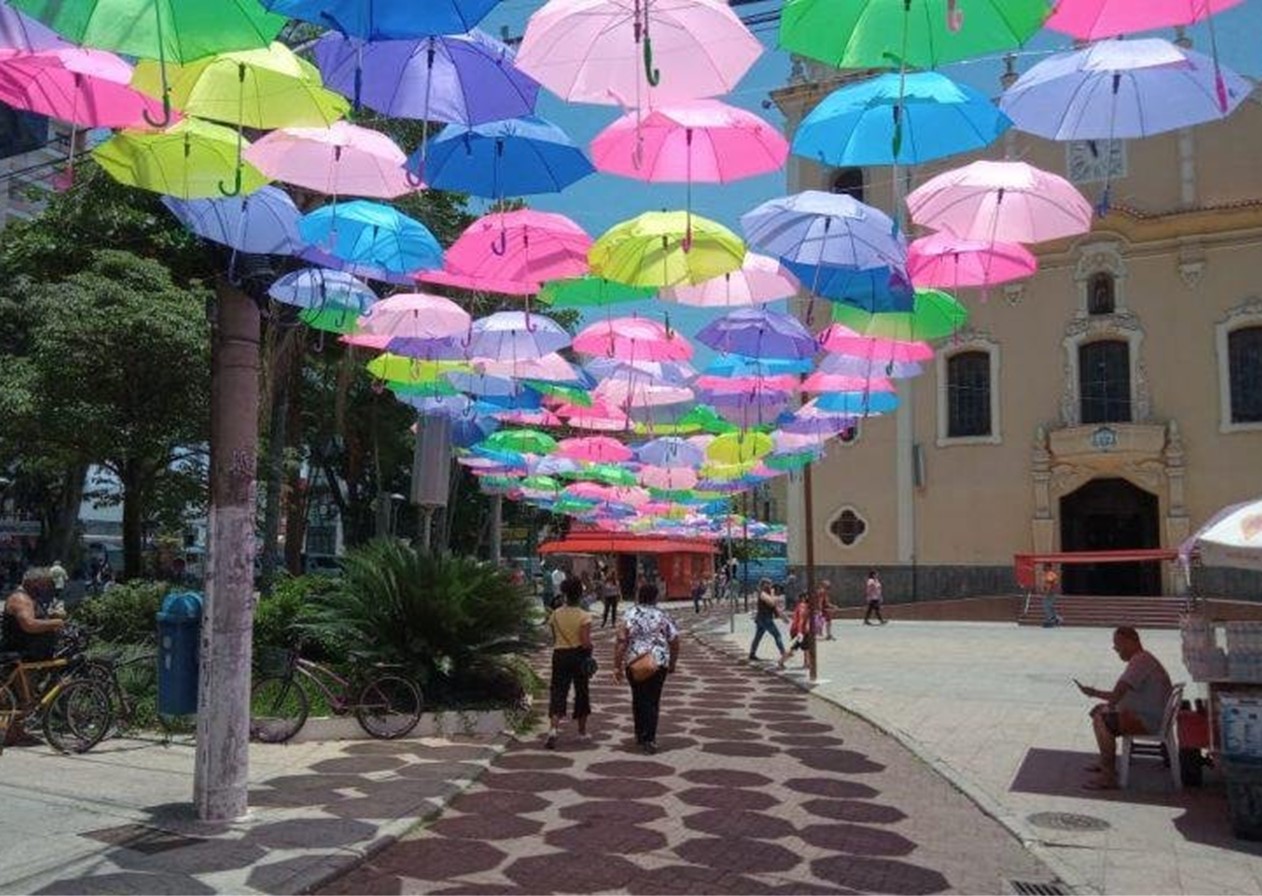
[(1233, 537)]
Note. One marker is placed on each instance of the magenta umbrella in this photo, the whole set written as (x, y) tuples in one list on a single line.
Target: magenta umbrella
[(760, 278), (633, 339), (594, 449), (415, 316), (340, 160), (831, 382), (1095, 19), (944, 261), (843, 340), (87, 88), (597, 418)]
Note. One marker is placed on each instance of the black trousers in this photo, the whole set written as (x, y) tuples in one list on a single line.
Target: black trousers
[(611, 611), (646, 704), (566, 670), (874, 606)]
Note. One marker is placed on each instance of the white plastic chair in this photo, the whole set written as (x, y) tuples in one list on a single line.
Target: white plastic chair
[(1167, 736)]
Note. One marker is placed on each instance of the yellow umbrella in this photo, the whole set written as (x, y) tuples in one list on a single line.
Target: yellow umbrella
[(739, 447), (659, 249), (401, 369), (189, 160)]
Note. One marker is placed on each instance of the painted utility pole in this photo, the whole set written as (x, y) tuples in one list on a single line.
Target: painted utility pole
[(223, 718), (808, 513), (497, 529)]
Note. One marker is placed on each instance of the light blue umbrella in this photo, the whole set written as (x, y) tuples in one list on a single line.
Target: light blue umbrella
[(903, 120), (814, 228), (671, 451), (857, 402), (374, 234), (316, 256), (756, 332), (387, 19), (515, 335), (262, 223), (322, 289), (516, 157), (873, 289)]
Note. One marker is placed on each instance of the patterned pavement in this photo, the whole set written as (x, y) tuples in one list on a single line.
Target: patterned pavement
[(757, 788)]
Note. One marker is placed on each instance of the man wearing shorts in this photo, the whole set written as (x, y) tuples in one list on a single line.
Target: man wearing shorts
[(1134, 706)]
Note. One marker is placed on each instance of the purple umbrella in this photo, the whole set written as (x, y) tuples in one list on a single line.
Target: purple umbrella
[(451, 348), (264, 222), (357, 269), (852, 365), (463, 78), (750, 408), (758, 333)]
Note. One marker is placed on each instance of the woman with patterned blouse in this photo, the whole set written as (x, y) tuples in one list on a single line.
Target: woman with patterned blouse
[(646, 650)]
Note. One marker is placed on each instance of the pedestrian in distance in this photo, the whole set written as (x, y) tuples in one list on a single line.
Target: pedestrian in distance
[(766, 613), (571, 655), (610, 591), (1050, 586), (873, 592), (823, 611), (645, 651)]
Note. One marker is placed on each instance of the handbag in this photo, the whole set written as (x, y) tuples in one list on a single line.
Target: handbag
[(643, 667), (588, 666)]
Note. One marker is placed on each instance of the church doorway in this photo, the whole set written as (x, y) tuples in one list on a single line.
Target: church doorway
[(1110, 515)]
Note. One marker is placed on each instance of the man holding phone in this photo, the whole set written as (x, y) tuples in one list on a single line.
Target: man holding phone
[(1134, 706)]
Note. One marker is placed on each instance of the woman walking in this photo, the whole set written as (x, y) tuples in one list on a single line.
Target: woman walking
[(571, 652), (645, 651), (609, 591), (765, 617)]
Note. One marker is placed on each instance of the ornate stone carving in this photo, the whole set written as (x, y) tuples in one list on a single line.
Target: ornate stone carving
[(1098, 257), (1013, 293), (1250, 307), (1191, 273), (1142, 405), (1069, 393)]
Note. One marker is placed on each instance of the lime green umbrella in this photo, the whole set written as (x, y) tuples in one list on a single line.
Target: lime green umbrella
[(330, 320), (906, 33), (570, 394), (399, 369), (658, 249), (166, 30), (591, 292), (609, 474), (523, 441), (934, 315), (541, 484), (188, 160)]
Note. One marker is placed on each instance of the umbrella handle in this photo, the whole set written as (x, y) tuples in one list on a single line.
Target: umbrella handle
[(166, 114), (500, 246), (651, 73), (416, 181), (954, 17), (236, 185)]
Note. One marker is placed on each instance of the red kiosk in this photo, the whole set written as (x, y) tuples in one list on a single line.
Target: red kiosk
[(680, 561)]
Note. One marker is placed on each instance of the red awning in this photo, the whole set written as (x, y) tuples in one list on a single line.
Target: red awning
[(1024, 563), (616, 543)]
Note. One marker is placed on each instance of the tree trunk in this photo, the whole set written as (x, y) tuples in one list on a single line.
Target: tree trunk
[(65, 529), (278, 411), (299, 496), (133, 481), (223, 719)]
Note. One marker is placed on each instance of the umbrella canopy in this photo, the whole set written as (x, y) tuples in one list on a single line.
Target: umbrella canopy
[(814, 228), (935, 315), (851, 365), (739, 447), (1001, 201), (340, 160), (318, 288), (759, 333), (394, 369), (78, 86), (523, 441), (843, 340), (666, 249), (1095, 19), (461, 78), (387, 19), (898, 119), (550, 369), (317, 256), (942, 260), (594, 449), (921, 34), (189, 160), (265, 222), (671, 451), (330, 320), (26, 35), (760, 278), (416, 316), (1121, 89), (1233, 537), (632, 338), (871, 289), (371, 233), (636, 55), (508, 335), (589, 291)]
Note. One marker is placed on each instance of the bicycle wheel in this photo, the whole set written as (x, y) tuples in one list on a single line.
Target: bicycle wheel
[(10, 714), (79, 716), (278, 709), (388, 707)]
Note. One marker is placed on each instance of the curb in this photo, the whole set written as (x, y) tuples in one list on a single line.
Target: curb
[(975, 794)]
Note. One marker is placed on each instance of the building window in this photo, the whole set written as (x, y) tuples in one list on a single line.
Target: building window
[(1104, 382), (1101, 295), (968, 395), (850, 182), (848, 527), (1244, 365)]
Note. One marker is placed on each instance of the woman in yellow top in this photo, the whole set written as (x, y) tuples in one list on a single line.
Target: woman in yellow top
[(571, 649)]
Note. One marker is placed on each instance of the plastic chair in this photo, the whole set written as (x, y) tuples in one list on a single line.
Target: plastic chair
[(1163, 744)]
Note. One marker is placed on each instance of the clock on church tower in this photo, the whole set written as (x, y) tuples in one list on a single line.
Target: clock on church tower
[(1095, 160)]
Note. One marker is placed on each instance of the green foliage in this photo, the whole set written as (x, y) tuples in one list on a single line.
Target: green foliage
[(124, 614), (452, 622), (279, 614)]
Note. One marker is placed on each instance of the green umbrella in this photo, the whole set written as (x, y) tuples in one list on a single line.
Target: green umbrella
[(906, 33), (589, 292), (935, 315), (330, 320), (573, 505), (786, 462), (174, 30), (541, 484), (609, 474), (189, 160), (570, 394), (523, 441), (439, 388)]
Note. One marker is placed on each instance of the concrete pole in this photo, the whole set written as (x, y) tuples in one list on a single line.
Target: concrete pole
[(808, 532), (223, 718), (497, 528)]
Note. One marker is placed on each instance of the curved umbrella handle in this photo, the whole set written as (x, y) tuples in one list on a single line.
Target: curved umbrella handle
[(500, 246), (236, 185), (651, 74), (415, 181), (166, 113)]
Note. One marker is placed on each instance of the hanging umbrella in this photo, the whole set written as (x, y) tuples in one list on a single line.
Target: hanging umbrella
[(520, 248), (387, 19), (1122, 89), (632, 338), (26, 35), (517, 157), (898, 119), (843, 340), (396, 369), (759, 279), (831, 382), (851, 365), (340, 160), (675, 373), (330, 320), (416, 316), (264, 223), (167, 30), (749, 409), (515, 335), (188, 160), (871, 289), (594, 449), (589, 291), (523, 441), (738, 366), (446, 348), (1095, 19), (638, 394), (597, 418), (73, 85), (921, 34), (315, 255), (860, 404), (666, 249), (637, 54), (371, 233), (759, 333), (935, 315), (944, 261), (711, 385), (814, 228), (534, 372), (670, 451), (671, 479), (459, 78), (318, 288), (565, 393), (1001, 201), (739, 447)]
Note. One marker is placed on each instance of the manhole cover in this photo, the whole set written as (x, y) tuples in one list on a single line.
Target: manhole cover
[(1067, 821)]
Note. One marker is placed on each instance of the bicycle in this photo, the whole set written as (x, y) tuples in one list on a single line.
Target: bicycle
[(132, 683), (385, 704), (74, 711)]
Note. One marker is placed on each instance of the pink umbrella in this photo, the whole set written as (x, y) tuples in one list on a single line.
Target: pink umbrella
[(525, 417), (670, 478), (595, 449), (633, 392), (942, 260), (785, 382), (377, 341), (550, 368), (633, 339), (843, 340), (760, 278), (87, 88), (1095, 19), (340, 160), (597, 418), (415, 316), (1001, 201), (830, 382)]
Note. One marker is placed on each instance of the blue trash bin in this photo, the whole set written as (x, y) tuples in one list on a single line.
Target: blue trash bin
[(179, 640)]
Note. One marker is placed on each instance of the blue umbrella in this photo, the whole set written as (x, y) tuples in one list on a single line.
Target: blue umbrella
[(514, 335), (462, 78), (891, 120), (451, 348), (387, 19), (517, 157), (735, 365), (874, 289), (316, 256), (471, 428), (756, 332), (813, 228), (263, 223), (856, 402), (671, 451), (322, 290), (374, 234)]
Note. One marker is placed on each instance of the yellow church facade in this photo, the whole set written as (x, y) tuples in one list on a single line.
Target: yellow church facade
[(1111, 401)]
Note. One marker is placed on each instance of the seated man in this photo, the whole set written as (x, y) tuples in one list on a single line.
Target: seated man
[(25, 627), (1134, 706)]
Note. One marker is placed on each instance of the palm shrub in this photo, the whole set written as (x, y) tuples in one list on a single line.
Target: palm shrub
[(455, 623)]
